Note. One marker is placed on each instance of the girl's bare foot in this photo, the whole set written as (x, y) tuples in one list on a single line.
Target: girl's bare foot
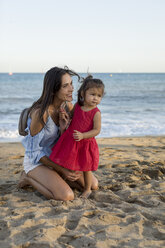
[(86, 194), (23, 181)]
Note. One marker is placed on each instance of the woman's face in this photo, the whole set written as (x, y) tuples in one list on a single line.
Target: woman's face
[(65, 92)]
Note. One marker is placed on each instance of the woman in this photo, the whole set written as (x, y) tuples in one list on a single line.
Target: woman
[(44, 125)]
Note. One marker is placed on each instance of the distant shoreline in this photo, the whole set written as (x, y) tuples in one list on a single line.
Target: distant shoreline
[(100, 139), (86, 72)]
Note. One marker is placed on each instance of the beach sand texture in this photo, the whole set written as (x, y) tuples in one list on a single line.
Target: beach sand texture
[(128, 210)]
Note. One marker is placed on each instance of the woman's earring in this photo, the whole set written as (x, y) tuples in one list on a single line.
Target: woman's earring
[(81, 98)]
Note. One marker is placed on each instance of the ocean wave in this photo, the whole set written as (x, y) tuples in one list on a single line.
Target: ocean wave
[(16, 99), (109, 129), (133, 128), (9, 135)]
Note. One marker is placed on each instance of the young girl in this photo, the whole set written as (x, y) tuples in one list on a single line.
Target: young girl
[(77, 149)]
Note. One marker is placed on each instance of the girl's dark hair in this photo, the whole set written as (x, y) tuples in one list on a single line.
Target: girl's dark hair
[(51, 85), (89, 82)]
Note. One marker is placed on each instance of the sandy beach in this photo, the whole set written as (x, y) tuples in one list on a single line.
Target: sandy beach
[(128, 210)]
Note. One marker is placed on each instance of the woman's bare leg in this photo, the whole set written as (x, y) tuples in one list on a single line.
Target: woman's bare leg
[(79, 184), (49, 183), (25, 181)]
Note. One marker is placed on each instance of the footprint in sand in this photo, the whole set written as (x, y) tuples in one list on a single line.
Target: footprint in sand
[(4, 230), (106, 197), (3, 200), (151, 231), (19, 220), (152, 173), (90, 214), (7, 188), (28, 233), (73, 220), (37, 245)]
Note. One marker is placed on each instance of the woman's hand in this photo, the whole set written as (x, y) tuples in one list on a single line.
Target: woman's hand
[(64, 119), (70, 175)]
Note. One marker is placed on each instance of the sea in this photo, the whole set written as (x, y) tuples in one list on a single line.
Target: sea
[(133, 104)]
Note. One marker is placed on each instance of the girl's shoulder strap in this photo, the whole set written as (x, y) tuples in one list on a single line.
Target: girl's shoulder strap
[(96, 110)]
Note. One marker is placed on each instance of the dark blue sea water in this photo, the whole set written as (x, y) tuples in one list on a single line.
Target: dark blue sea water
[(134, 104)]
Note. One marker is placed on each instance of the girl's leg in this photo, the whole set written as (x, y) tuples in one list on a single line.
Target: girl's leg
[(49, 183), (88, 184), (94, 182)]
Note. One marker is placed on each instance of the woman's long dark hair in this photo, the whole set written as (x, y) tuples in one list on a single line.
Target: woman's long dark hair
[(89, 82), (51, 85)]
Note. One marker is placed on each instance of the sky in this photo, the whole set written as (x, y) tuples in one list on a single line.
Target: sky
[(89, 35)]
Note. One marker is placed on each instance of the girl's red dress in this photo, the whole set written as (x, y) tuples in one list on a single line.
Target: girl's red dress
[(80, 155)]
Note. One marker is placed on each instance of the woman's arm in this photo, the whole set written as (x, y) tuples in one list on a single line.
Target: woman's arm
[(63, 172), (92, 133), (36, 124), (35, 128)]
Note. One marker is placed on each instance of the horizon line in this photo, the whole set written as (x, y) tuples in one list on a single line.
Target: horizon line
[(10, 73)]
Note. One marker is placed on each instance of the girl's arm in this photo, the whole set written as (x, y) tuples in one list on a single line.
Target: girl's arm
[(92, 133)]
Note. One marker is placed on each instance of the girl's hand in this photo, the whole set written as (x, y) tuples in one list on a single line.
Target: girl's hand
[(77, 135), (71, 175)]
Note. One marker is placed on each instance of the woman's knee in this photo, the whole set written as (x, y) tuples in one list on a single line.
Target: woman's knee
[(95, 184), (67, 195)]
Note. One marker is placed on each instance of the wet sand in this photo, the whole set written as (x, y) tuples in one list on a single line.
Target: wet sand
[(128, 210)]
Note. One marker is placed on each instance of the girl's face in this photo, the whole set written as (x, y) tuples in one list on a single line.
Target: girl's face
[(93, 97), (65, 92)]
